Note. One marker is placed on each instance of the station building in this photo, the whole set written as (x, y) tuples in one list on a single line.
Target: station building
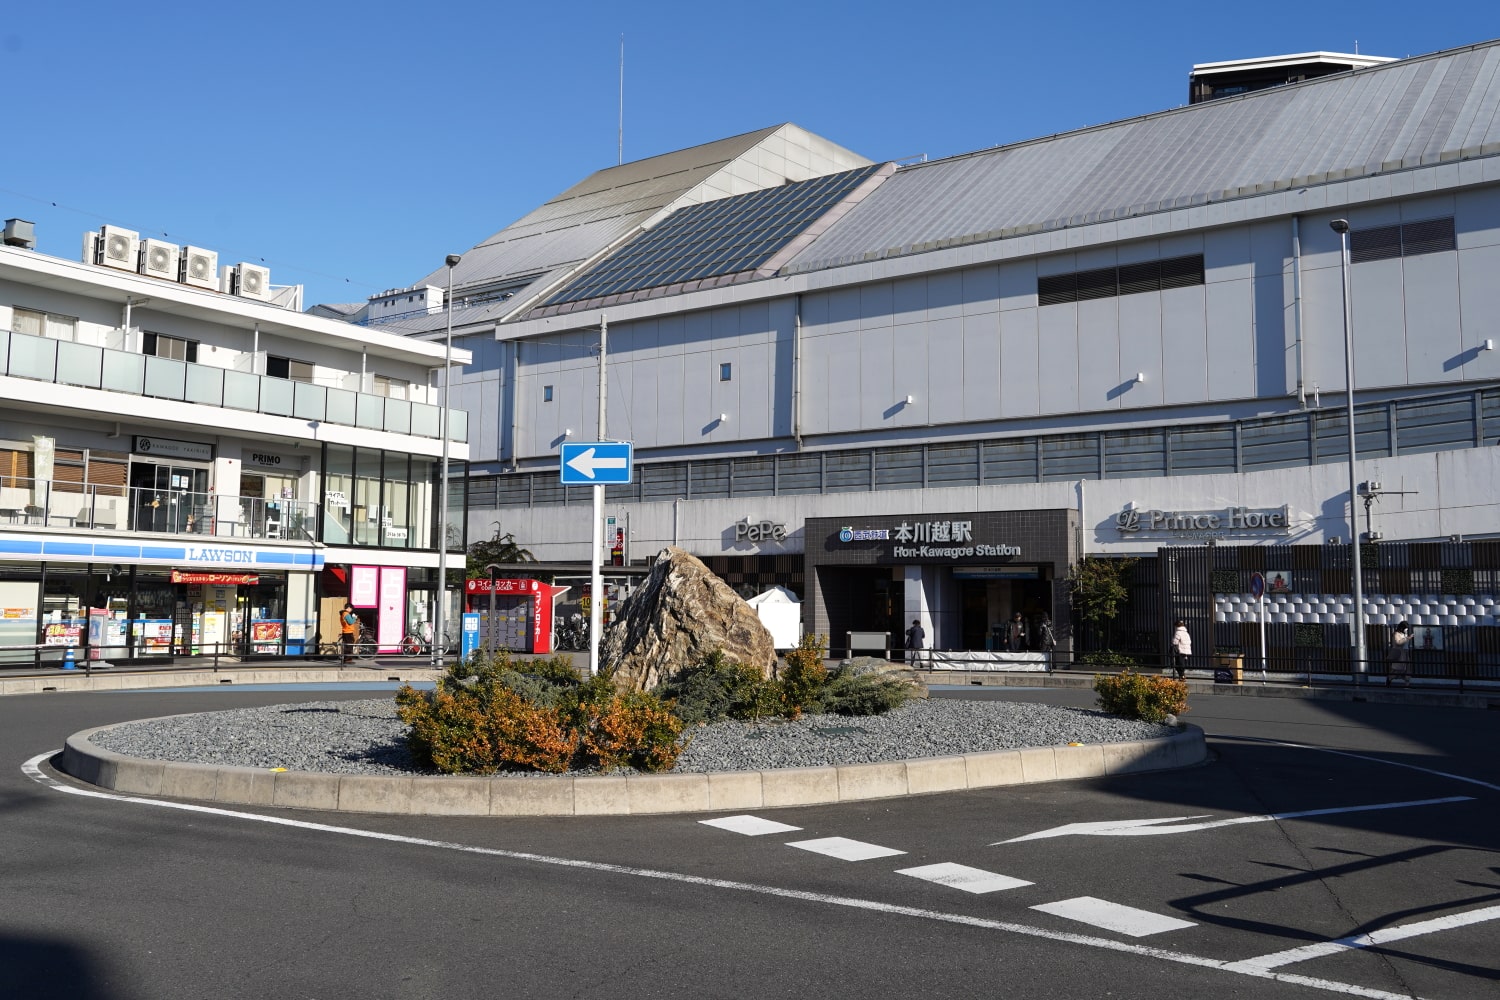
[(926, 390), (191, 466)]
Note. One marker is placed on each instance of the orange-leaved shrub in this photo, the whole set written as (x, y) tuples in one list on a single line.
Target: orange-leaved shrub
[(1137, 696), (491, 714), (804, 676)]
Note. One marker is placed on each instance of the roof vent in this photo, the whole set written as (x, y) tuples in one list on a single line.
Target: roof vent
[(20, 233)]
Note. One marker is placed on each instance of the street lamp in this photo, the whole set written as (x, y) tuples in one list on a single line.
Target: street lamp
[(439, 640), (1341, 226)]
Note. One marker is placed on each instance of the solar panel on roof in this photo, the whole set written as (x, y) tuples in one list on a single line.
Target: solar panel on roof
[(716, 238)]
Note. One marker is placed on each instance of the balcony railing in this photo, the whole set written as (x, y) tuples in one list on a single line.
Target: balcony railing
[(65, 363), (42, 503)]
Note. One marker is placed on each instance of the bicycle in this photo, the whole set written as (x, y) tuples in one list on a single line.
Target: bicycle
[(418, 641), (363, 648)]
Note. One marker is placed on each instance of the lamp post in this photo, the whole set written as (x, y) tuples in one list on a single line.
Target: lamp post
[(1361, 667), (439, 640)]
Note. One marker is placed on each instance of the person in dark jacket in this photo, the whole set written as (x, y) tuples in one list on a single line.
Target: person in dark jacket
[(1015, 633), (916, 639)]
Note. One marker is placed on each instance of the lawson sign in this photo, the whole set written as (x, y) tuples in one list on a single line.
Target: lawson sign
[(71, 549)]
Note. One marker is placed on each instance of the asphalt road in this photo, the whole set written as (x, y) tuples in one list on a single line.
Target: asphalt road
[(1327, 850)]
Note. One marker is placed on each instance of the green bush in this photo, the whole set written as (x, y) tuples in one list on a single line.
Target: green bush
[(1107, 658), (804, 676), (1137, 696), (848, 693), (718, 688)]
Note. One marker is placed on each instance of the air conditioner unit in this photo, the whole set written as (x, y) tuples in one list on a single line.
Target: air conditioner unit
[(251, 281), (198, 267), (159, 259), (118, 248), (91, 247)]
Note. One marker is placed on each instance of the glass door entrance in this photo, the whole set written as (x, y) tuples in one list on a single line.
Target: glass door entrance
[(169, 498)]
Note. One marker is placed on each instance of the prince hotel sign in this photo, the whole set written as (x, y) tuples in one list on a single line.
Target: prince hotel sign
[(1226, 521)]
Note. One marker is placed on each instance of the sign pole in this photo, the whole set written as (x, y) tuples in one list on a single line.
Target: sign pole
[(596, 579), (1263, 636)]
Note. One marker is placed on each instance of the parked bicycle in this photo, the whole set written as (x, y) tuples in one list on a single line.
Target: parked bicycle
[(364, 646), (419, 641), (571, 633)]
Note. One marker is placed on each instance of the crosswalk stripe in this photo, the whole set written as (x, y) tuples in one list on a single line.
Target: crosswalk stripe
[(1125, 920), (963, 878), (750, 826), (845, 849)]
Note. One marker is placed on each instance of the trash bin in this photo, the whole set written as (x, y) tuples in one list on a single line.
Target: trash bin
[(1229, 668)]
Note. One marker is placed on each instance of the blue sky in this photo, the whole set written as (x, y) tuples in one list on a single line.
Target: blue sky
[(349, 147)]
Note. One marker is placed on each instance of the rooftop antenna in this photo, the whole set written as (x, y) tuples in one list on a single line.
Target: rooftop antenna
[(622, 99)]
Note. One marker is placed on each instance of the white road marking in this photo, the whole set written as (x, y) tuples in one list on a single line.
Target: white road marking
[(845, 849), (1113, 916), (1366, 757), (1385, 934), (750, 826), (1152, 827), (963, 878), (32, 769)]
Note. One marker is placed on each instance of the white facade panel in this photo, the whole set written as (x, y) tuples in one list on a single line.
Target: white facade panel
[(911, 376), (1434, 339), (842, 361), (1100, 385), (945, 362), (877, 379), (1184, 345), (1231, 342), (1141, 349), (1378, 317), (1021, 381), (1057, 328), (1479, 305), (981, 366)]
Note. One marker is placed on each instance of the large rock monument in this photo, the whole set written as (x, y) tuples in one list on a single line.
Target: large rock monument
[(675, 619)]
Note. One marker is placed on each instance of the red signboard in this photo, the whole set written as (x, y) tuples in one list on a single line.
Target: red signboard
[(214, 579)]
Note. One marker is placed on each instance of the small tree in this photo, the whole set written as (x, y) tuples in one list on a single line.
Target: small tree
[(499, 549), (1097, 588)]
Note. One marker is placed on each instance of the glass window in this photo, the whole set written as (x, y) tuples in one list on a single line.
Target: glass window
[(287, 368), (338, 495), (546, 394), (724, 372), (159, 345), (395, 388), (36, 323)]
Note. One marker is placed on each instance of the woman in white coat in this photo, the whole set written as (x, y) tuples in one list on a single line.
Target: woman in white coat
[(1182, 648)]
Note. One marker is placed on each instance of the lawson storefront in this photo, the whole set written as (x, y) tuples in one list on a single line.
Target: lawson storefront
[(115, 601), (960, 574)]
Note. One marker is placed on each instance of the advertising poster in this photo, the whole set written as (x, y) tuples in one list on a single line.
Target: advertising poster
[(265, 636), (363, 584), (392, 609)]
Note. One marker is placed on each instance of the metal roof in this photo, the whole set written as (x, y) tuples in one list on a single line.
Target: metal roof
[(1388, 117)]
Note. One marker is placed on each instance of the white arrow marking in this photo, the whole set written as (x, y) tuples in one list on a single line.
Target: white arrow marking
[(1152, 827), (586, 462)]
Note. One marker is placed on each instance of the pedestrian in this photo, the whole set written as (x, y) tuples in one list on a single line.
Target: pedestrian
[(916, 639), (1398, 656), (1046, 639), (1015, 633), (349, 630), (1182, 648)]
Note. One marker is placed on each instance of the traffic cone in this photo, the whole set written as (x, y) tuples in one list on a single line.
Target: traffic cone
[(70, 661)]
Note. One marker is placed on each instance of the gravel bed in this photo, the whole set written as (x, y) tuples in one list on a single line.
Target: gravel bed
[(365, 737)]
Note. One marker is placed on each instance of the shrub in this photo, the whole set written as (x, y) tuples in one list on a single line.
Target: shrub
[(848, 693), (634, 729), (461, 732), (804, 676), (719, 688), (1136, 696), (1107, 658)]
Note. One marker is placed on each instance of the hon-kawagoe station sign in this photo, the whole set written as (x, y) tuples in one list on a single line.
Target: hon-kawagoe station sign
[(1226, 521)]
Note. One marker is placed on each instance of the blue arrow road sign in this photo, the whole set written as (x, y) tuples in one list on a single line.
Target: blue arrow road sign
[(597, 463)]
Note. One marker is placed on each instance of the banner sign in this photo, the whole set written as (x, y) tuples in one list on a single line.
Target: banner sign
[(215, 579)]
